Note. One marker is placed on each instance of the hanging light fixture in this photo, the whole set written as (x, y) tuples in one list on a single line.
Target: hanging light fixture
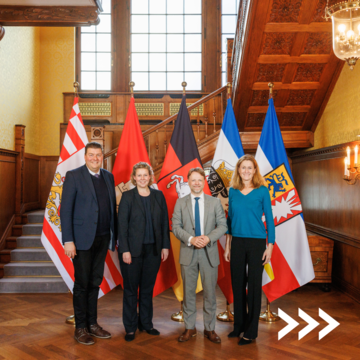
[(345, 18)]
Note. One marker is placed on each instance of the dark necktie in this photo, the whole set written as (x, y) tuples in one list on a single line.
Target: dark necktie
[(97, 176), (197, 217)]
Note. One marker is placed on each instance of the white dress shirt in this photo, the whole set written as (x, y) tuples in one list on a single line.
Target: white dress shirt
[(202, 210), (93, 173)]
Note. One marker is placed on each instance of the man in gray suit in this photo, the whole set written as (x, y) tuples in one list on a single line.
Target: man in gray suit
[(198, 222)]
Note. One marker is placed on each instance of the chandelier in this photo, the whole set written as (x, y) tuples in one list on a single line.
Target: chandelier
[(345, 18)]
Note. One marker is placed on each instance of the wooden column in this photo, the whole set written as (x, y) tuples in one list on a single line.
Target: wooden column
[(19, 172)]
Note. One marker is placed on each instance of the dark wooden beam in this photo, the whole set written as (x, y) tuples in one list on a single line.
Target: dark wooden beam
[(48, 16)]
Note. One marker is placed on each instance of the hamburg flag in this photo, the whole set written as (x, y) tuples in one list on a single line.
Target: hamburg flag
[(71, 157), (291, 259), (228, 151), (181, 156), (132, 150)]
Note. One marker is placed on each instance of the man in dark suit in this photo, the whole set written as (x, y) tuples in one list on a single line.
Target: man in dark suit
[(89, 229)]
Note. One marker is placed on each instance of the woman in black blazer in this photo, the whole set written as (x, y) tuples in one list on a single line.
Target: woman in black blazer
[(143, 242)]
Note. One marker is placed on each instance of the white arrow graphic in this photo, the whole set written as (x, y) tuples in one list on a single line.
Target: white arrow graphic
[(332, 324), (312, 324), (292, 324)]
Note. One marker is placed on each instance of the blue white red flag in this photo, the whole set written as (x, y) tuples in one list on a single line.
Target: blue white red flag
[(228, 151), (291, 259)]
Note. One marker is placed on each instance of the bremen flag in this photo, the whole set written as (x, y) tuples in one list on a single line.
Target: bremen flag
[(132, 150), (71, 157), (228, 151), (181, 156), (291, 259)]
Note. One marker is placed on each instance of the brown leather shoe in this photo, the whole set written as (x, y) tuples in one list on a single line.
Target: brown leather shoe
[(97, 331), (212, 336), (187, 334), (82, 336)]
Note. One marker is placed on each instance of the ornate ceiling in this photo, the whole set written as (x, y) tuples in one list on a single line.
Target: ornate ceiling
[(289, 43)]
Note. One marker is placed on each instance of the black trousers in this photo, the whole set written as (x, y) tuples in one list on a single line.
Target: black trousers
[(140, 274), (247, 252), (89, 271)]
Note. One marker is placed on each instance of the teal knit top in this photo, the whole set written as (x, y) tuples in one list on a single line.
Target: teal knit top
[(245, 214)]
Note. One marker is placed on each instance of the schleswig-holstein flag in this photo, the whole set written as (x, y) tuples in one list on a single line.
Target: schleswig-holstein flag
[(291, 260), (228, 151)]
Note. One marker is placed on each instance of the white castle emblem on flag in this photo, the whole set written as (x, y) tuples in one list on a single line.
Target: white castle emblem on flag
[(182, 188)]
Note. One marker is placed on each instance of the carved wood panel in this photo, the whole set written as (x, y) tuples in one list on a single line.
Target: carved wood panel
[(270, 72), (261, 97), (300, 97), (285, 11), (318, 43), (292, 119), (320, 10), (309, 72), (278, 43), (255, 120)]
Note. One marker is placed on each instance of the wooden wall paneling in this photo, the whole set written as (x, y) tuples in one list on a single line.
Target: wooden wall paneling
[(48, 166), (331, 208), (19, 173), (31, 182), (7, 191), (346, 269)]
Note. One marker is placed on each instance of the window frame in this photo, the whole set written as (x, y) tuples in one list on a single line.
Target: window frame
[(211, 72)]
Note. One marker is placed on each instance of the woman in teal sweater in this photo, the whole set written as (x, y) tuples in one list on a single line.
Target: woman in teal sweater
[(246, 249)]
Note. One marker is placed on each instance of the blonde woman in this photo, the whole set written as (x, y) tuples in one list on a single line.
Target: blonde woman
[(249, 199), (144, 242)]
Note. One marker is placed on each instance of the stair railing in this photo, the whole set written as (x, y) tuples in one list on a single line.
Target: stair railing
[(206, 115)]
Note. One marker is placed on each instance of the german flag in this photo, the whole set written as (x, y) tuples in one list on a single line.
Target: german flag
[(181, 156)]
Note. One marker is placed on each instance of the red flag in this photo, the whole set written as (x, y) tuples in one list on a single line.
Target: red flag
[(71, 157), (132, 150)]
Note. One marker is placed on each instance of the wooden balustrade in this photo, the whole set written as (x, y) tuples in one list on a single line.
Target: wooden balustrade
[(156, 137)]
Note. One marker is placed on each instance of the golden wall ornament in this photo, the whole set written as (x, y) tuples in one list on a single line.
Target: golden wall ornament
[(95, 109), (149, 109), (175, 107)]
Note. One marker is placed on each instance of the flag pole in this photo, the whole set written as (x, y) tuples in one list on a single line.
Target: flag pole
[(269, 316), (71, 319), (227, 315), (179, 316)]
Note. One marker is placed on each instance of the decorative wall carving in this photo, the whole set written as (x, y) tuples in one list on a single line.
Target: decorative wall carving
[(320, 10), (309, 72), (95, 109), (149, 109), (270, 72), (255, 120), (278, 43), (285, 11), (318, 43), (300, 97), (261, 97), (292, 119)]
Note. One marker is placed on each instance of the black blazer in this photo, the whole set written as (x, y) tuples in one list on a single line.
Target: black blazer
[(132, 222), (79, 208)]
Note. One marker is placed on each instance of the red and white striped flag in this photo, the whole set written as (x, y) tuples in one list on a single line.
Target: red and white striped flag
[(71, 157)]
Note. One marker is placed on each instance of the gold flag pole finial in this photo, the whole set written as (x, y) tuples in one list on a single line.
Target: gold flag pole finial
[(229, 90), (132, 84), (184, 84), (76, 88), (270, 85)]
